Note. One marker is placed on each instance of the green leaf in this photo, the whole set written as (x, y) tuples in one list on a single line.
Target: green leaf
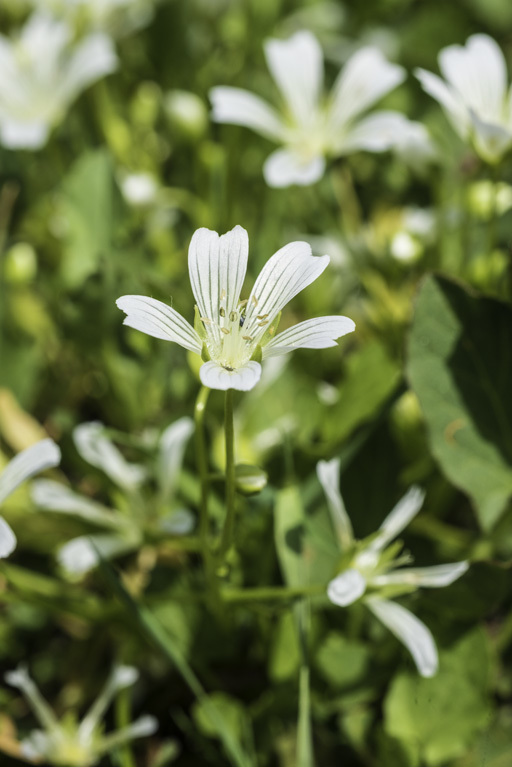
[(437, 719), (342, 662), (285, 656), (460, 366)]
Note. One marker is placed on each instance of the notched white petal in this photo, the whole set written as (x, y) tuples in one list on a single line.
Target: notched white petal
[(172, 447), (158, 320), (434, 577), (409, 630), (7, 539), (98, 450), (52, 496), (399, 517), (284, 167), (346, 588), (239, 107), (318, 333), (39, 457), (328, 473), (215, 376)]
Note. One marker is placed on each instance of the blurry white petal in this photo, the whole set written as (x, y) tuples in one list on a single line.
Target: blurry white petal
[(410, 631), (20, 678), (23, 135), (449, 100), (217, 377), (158, 320), (178, 522), (296, 65), (100, 451), (400, 516), (365, 79), (217, 267), (427, 577), (478, 73), (346, 588), (376, 133), (491, 141), (285, 167), (52, 496), (239, 107), (328, 473), (92, 58), (120, 678), (141, 728), (43, 455), (7, 539), (81, 554), (285, 274), (172, 447), (318, 333)]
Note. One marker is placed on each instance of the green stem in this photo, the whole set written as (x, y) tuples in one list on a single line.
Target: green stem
[(229, 435), (272, 593), (202, 467)]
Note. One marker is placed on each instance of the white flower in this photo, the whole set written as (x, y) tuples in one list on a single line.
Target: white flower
[(116, 17), (139, 189), (43, 71), (311, 126), (123, 531), (43, 455), (67, 742), (474, 94), (374, 567), (232, 334)]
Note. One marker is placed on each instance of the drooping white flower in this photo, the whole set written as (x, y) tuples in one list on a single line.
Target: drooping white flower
[(43, 455), (233, 335), (474, 94), (68, 742), (311, 126), (122, 531), (373, 570), (43, 71)]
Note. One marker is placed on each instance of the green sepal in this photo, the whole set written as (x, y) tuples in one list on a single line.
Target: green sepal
[(199, 324), (271, 331), (257, 354), (205, 354)]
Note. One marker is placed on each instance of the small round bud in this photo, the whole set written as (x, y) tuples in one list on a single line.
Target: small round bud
[(250, 480)]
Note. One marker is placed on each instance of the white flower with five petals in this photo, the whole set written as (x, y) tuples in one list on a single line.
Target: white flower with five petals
[(313, 127), (474, 94), (43, 455), (43, 71), (233, 335), (373, 570)]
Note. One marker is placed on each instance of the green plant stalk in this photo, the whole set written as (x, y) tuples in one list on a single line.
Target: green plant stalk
[(123, 717), (202, 467), (272, 593), (229, 434)]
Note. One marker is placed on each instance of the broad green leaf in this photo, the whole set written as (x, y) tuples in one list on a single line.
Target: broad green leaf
[(340, 661), (460, 366), (438, 718)]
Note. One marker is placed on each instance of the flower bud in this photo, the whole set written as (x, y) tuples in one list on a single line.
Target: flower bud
[(250, 480)]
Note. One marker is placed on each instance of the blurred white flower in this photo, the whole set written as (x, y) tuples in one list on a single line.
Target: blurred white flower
[(474, 94), (310, 126), (139, 189), (68, 742), (42, 71), (373, 568), (39, 457), (232, 336), (116, 17), (123, 531)]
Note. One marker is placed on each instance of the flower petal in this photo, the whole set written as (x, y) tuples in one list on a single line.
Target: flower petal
[(15, 134), (426, 577), (52, 496), (376, 133), (100, 451), (328, 473), (80, 555), (178, 522), (318, 333), (451, 102), (43, 455), (7, 539), (366, 78), (284, 167), (346, 588), (409, 630), (158, 320), (92, 58), (491, 141), (243, 379), (478, 73), (399, 517), (217, 267), (172, 447), (296, 65), (240, 107), (285, 274)]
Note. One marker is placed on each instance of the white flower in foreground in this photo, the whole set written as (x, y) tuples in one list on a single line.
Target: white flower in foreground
[(68, 742), (373, 568), (43, 455), (474, 94), (123, 530), (43, 71), (231, 335), (311, 126)]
